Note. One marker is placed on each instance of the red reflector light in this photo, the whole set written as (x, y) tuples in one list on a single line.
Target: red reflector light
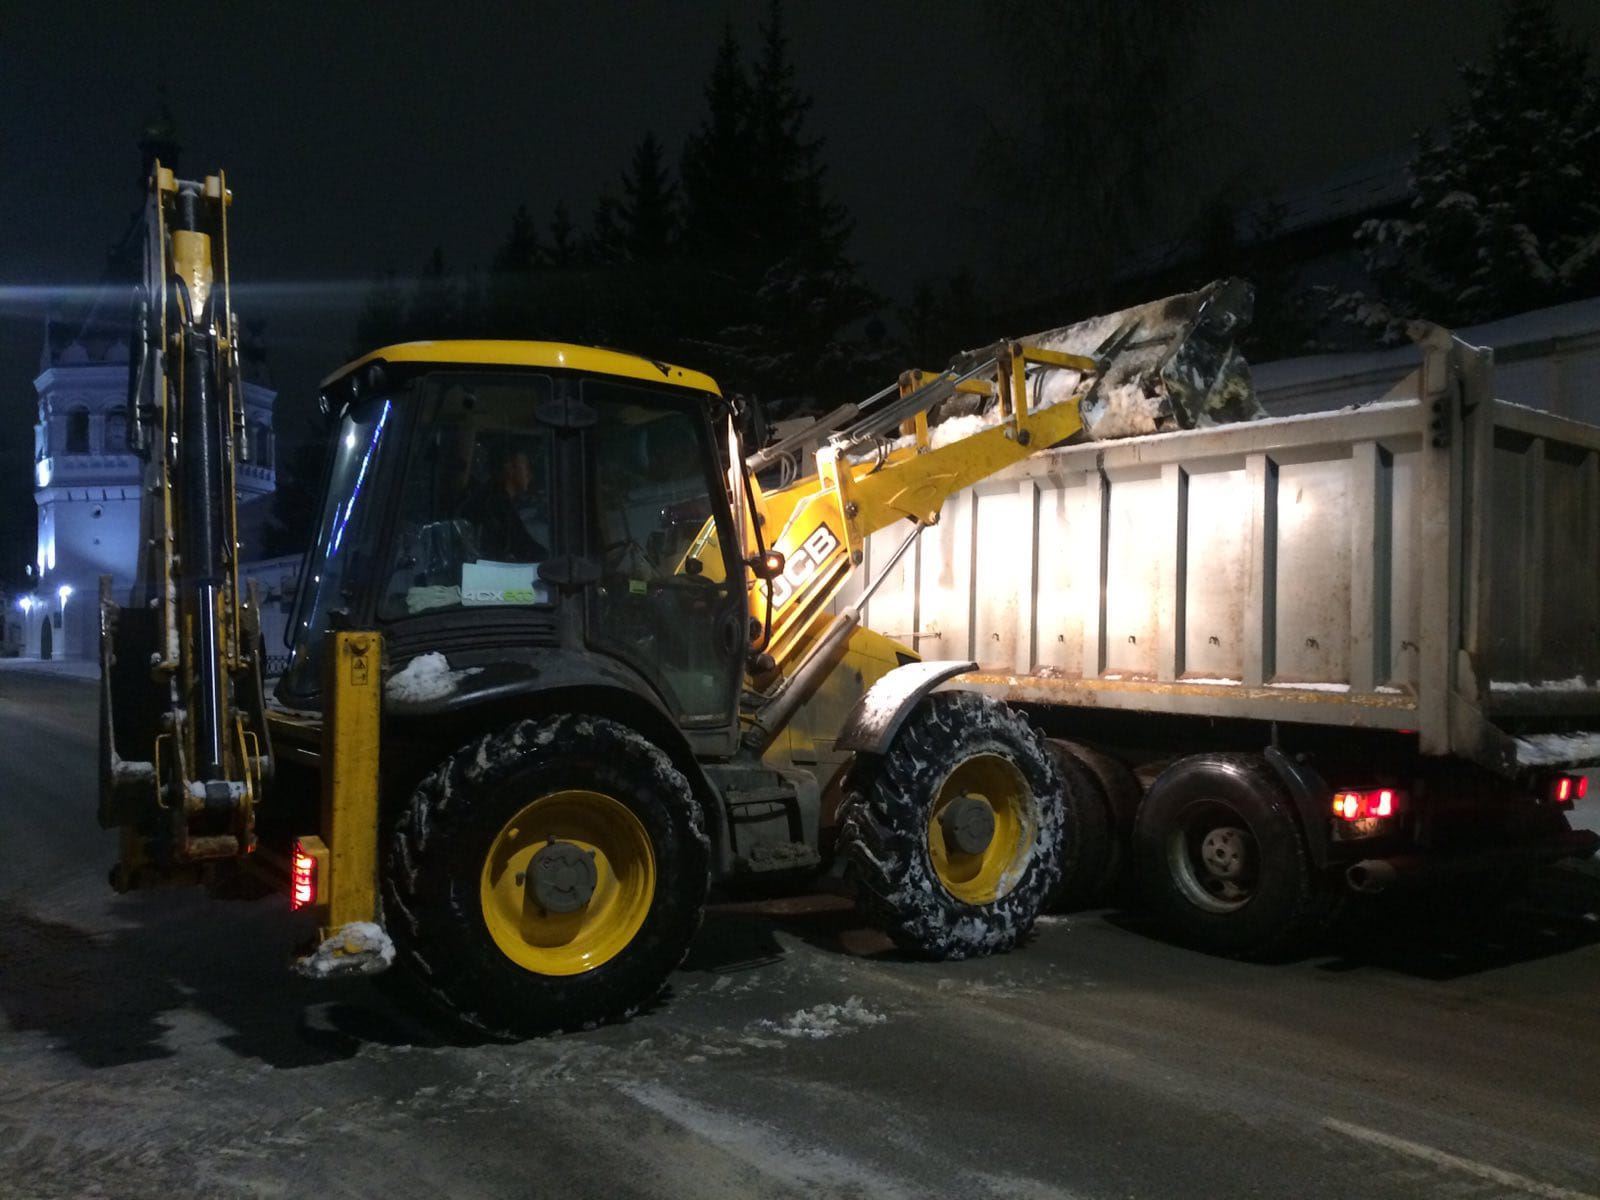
[(1564, 789), (1364, 805), (302, 879)]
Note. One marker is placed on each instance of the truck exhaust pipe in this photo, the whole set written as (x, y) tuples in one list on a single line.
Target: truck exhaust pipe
[(1371, 876)]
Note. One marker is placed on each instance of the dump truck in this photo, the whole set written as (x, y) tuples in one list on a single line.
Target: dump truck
[(1294, 660), (565, 652)]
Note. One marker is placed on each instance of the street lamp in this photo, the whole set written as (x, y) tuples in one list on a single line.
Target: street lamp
[(25, 604), (64, 591)]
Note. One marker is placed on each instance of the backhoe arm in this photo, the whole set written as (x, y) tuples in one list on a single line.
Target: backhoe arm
[(183, 737)]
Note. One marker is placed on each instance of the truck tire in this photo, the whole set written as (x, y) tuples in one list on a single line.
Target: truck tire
[(955, 835), (548, 876), (1221, 859), (1123, 792), (1089, 862)]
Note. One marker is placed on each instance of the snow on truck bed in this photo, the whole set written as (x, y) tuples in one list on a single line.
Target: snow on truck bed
[(1557, 749)]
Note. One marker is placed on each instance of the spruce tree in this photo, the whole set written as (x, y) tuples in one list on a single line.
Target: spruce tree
[(1505, 214), (779, 296), (647, 213), (717, 163)]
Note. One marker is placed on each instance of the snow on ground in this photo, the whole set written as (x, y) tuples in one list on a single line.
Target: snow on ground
[(1549, 749), (426, 677), (825, 1020)]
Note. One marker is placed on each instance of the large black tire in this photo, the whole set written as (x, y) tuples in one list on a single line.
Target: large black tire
[(1090, 861), (886, 828), (437, 852), (1221, 859), (1123, 792)]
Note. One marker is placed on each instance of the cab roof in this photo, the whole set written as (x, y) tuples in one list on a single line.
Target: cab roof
[(484, 352)]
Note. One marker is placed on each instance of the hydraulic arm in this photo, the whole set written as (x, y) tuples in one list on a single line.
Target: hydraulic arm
[(183, 739), (899, 454)]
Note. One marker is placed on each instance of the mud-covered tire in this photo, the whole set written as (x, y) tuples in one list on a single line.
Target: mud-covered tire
[(885, 830), (436, 854), (1090, 861), (1278, 900)]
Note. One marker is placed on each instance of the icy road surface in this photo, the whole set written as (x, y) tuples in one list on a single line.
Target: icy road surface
[(156, 1046)]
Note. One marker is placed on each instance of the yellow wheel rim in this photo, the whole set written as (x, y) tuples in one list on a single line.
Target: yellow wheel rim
[(987, 874), (555, 943)]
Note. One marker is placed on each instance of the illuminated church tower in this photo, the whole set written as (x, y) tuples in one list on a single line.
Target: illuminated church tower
[(86, 479)]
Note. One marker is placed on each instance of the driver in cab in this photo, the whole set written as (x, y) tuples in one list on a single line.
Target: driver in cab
[(509, 512)]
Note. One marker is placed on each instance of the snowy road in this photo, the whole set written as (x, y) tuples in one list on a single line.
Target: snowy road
[(155, 1046)]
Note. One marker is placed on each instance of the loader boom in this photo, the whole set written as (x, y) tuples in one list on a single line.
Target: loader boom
[(890, 458)]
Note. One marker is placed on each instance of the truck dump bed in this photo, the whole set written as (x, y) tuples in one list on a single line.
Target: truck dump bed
[(1427, 562)]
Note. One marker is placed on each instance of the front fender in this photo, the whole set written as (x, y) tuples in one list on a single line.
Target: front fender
[(877, 716)]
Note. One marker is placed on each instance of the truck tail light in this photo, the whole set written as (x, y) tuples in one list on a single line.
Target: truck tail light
[(1564, 789), (1351, 805), (303, 878)]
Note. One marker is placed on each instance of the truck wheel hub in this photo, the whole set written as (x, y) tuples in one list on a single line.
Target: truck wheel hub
[(968, 824), (1222, 851), (562, 878)]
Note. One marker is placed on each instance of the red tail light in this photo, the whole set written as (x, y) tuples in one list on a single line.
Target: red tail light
[(303, 879), (1365, 805), (1564, 789)]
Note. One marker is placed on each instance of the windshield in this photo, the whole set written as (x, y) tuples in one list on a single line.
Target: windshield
[(474, 518), (343, 552)]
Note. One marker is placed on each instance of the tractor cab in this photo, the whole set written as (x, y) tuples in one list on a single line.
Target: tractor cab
[(536, 511)]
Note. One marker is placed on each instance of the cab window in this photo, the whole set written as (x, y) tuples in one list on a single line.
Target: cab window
[(475, 517)]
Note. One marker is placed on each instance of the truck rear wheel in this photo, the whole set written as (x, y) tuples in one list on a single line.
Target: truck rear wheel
[(1085, 862), (1221, 859), (548, 876), (1104, 796), (955, 835)]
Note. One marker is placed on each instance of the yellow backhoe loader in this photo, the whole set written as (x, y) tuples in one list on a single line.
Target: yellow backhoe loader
[(567, 653)]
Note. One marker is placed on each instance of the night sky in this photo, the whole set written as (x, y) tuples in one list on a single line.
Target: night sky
[(359, 136)]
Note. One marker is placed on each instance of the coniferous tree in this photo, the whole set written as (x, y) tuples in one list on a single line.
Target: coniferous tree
[(436, 303), (383, 315), (1505, 214), (647, 215), (565, 248), (717, 163), (521, 250), (781, 296), (740, 267)]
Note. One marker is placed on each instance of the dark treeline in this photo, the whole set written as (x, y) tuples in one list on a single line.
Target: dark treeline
[(733, 258)]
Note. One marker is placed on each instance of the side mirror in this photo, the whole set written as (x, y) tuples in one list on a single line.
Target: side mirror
[(766, 566)]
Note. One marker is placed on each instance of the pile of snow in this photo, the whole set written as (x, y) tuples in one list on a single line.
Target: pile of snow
[(426, 677), (359, 948), (825, 1020), (1124, 409), (1548, 749)]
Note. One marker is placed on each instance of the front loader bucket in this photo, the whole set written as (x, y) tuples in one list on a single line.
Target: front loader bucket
[(1170, 364)]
